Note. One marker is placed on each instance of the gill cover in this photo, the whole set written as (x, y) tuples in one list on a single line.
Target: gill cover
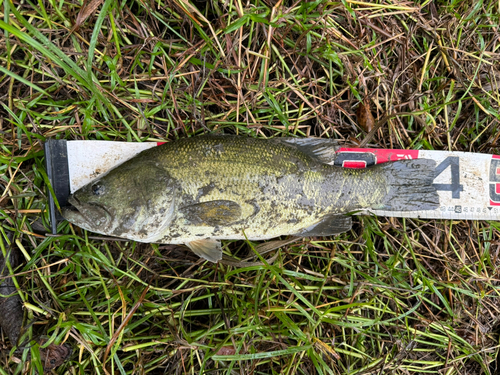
[(134, 201)]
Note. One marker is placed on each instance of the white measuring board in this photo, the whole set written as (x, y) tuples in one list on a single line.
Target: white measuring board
[(468, 184), (89, 159)]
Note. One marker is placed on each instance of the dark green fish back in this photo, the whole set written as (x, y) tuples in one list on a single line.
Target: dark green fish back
[(263, 157)]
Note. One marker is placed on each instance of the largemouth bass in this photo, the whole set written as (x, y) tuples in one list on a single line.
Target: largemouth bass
[(198, 191)]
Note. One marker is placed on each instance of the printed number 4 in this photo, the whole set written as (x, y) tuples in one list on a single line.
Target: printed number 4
[(455, 187)]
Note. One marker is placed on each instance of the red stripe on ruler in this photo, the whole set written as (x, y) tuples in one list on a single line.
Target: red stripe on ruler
[(382, 155)]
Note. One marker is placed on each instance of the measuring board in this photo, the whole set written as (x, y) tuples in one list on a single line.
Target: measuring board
[(468, 184)]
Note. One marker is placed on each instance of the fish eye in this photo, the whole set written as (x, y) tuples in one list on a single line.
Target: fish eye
[(98, 189)]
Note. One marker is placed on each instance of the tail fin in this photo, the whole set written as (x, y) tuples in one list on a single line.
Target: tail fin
[(410, 185)]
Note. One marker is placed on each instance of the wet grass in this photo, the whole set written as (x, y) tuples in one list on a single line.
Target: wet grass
[(391, 296)]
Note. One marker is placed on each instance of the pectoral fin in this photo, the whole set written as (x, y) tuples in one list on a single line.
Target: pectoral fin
[(210, 250), (220, 212), (329, 226)]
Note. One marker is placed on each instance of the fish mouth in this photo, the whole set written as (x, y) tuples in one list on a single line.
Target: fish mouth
[(71, 212), (91, 216)]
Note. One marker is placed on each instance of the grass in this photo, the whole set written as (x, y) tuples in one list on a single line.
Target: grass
[(391, 296)]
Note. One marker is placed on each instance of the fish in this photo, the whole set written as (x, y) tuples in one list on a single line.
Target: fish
[(198, 191)]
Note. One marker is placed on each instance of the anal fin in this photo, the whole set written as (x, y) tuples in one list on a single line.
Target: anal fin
[(328, 226)]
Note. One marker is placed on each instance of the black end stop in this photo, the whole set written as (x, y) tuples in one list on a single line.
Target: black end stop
[(56, 165)]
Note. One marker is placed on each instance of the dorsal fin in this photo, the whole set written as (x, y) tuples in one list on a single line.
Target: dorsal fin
[(323, 149)]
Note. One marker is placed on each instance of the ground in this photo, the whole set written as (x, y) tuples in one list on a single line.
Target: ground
[(399, 296)]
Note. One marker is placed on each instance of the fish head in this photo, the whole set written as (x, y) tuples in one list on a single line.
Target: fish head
[(134, 201)]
